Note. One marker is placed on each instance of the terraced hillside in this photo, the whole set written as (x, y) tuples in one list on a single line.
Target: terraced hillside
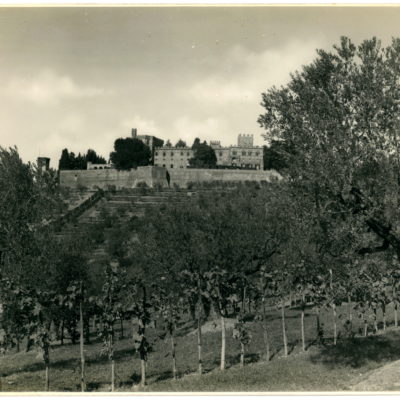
[(120, 205)]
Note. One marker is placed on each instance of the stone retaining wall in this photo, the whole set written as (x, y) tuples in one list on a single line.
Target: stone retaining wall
[(182, 177), (104, 178), (156, 176)]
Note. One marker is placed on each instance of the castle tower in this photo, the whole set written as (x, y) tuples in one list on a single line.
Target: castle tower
[(245, 140), (215, 144), (43, 163), (134, 133)]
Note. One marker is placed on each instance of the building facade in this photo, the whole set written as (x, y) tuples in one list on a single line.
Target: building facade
[(90, 165), (243, 156), (172, 157)]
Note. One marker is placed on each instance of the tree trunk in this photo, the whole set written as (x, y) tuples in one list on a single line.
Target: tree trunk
[(81, 344), (28, 346), (244, 298), (62, 332), (199, 345), (242, 355), (303, 336), (173, 357), (143, 372), (334, 324), (121, 336), (223, 343), (142, 332), (320, 336), (285, 345), (265, 332), (47, 378), (349, 307), (375, 322), (112, 374), (112, 363), (384, 316), (396, 324), (365, 326), (18, 343)]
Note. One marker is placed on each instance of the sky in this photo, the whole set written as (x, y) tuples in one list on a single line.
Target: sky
[(81, 77)]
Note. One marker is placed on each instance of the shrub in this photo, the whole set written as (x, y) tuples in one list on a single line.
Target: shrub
[(142, 184), (65, 191), (142, 188), (112, 189), (158, 187), (81, 188)]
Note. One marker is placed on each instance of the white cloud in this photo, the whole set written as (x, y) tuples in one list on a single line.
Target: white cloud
[(48, 88), (244, 74), (214, 90)]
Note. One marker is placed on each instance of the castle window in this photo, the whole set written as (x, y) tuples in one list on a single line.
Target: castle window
[(188, 153), (163, 165), (243, 153), (220, 153), (156, 153), (164, 154), (249, 153), (172, 153), (257, 153), (234, 152), (181, 153), (172, 165)]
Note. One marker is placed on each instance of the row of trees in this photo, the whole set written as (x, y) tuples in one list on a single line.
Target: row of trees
[(132, 153), (68, 160), (223, 254)]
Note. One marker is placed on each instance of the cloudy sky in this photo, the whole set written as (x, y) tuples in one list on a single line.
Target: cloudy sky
[(81, 77)]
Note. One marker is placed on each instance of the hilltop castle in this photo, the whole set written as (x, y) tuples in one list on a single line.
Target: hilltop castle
[(243, 156)]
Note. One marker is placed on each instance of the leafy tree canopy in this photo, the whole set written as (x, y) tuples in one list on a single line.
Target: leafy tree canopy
[(276, 155), (92, 157), (70, 161), (180, 143), (196, 143), (340, 115), (28, 200), (130, 153), (204, 155)]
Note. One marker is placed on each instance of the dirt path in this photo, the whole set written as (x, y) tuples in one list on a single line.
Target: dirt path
[(381, 379)]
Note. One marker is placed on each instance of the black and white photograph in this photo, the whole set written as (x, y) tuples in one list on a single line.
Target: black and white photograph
[(199, 199)]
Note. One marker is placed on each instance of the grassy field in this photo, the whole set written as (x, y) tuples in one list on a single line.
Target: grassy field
[(323, 367)]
